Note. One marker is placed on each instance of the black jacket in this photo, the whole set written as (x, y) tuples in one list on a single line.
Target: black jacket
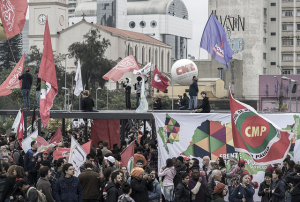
[(185, 101), (261, 192), (87, 104), (279, 193), (205, 105), (140, 189), (113, 192), (209, 191), (295, 180), (26, 80), (158, 104), (193, 91), (8, 187), (182, 193), (218, 198), (180, 167)]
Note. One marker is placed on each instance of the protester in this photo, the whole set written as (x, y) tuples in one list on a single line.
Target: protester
[(104, 150), (38, 88), (9, 184), (212, 166), (113, 188), (244, 191), (154, 196), (30, 163), (216, 177), (15, 154), (125, 197), (182, 193), (87, 103), (288, 171), (179, 167), (127, 86), (138, 88), (158, 104), (153, 159), (110, 162), (168, 172), (26, 86), (193, 91), (278, 187), (233, 162), (205, 168), (125, 171), (197, 185), (238, 172), (272, 167), (294, 182), (139, 156), (59, 165), (68, 187), (141, 183), (30, 193), (265, 188), (43, 183), (184, 102), (90, 159), (205, 107), (220, 191), (53, 175), (186, 162), (106, 174), (222, 167), (90, 182)]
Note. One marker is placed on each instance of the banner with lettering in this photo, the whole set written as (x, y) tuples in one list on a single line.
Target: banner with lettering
[(77, 156), (198, 135)]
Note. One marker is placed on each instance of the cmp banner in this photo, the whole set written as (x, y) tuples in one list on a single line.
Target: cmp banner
[(199, 135), (77, 156)]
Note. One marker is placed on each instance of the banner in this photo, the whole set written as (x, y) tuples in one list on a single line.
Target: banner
[(77, 156), (61, 153), (143, 106), (143, 71), (16, 122), (199, 135), (78, 79), (26, 143), (159, 81), (127, 156)]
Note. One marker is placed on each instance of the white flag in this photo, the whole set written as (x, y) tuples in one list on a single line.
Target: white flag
[(78, 80), (77, 156), (16, 122), (26, 143), (297, 151), (143, 71)]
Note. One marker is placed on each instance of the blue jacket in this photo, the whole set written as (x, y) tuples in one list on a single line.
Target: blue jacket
[(155, 194), (239, 192), (26, 81), (279, 194), (64, 192), (193, 91)]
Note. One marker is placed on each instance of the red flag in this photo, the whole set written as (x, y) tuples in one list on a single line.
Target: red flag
[(40, 141), (61, 153), (257, 136), (127, 156), (12, 81), (128, 64), (13, 16), (56, 137), (47, 73), (159, 81), (87, 147), (20, 132)]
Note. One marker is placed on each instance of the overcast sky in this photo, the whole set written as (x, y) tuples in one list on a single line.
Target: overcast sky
[(198, 13)]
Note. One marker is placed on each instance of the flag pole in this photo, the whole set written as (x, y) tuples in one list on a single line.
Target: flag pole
[(172, 92), (11, 51)]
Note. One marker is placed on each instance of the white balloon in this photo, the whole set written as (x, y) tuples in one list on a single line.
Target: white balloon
[(183, 72)]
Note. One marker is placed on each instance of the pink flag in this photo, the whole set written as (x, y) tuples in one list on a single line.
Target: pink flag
[(61, 153), (87, 147), (128, 64), (159, 81), (20, 131), (47, 73), (13, 16), (127, 156), (12, 81), (56, 137)]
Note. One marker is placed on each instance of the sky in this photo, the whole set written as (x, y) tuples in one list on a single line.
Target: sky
[(198, 13)]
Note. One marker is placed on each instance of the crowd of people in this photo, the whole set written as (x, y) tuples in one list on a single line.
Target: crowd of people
[(104, 177)]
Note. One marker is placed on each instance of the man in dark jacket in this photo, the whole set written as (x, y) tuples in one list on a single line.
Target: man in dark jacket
[(68, 188), (216, 177), (90, 182), (205, 107), (113, 187), (87, 103), (38, 88), (182, 192), (193, 91), (179, 167), (30, 164), (26, 86), (141, 183), (184, 102), (153, 156), (158, 104), (30, 193)]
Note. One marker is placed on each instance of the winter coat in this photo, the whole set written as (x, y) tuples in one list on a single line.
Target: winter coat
[(218, 198), (205, 105), (209, 191), (140, 189), (87, 104), (127, 86), (169, 174), (239, 192), (279, 194), (293, 177), (30, 162), (8, 187), (180, 167), (193, 91), (71, 191), (155, 194), (26, 81), (261, 192), (185, 101), (113, 192), (44, 185), (158, 104), (90, 182), (230, 172), (182, 193)]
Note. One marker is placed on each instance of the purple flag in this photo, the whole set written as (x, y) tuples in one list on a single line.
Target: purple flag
[(214, 40)]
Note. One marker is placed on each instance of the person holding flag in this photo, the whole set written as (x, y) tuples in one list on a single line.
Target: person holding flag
[(26, 86)]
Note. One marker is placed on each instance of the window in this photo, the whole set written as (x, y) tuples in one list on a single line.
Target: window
[(149, 54), (143, 55), (265, 55), (265, 40), (136, 51), (273, 63), (287, 42), (273, 4), (162, 60), (265, 71), (273, 19), (287, 0), (298, 71), (265, 11), (298, 12), (287, 57), (132, 24), (156, 56), (142, 24), (287, 27), (298, 56), (153, 24), (287, 71), (298, 27), (298, 42), (273, 48), (273, 33), (287, 13), (168, 62)]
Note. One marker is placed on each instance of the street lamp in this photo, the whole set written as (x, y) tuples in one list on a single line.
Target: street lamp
[(97, 97), (67, 89), (65, 107)]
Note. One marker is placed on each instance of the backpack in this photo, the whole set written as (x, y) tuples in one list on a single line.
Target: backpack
[(235, 180), (103, 193), (21, 160), (41, 196)]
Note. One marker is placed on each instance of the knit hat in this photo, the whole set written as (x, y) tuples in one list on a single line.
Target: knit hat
[(219, 188), (136, 172), (46, 163), (140, 161), (27, 69)]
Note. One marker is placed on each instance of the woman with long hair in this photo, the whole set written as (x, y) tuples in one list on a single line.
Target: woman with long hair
[(168, 172), (9, 184), (212, 166), (244, 191), (278, 187), (222, 167)]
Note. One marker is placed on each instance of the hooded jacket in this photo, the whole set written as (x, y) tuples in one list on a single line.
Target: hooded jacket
[(26, 80), (113, 192), (239, 192), (140, 189), (169, 174)]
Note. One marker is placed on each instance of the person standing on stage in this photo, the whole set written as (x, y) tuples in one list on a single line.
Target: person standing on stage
[(127, 86)]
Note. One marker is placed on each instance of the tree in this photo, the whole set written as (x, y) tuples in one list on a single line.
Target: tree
[(6, 57), (91, 54)]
